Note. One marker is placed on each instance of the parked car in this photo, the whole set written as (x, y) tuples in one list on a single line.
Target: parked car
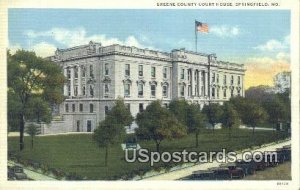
[(259, 165), (286, 152), (16, 173), (271, 159), (203, 175), (221, 173), (234, 170), (248, 167)]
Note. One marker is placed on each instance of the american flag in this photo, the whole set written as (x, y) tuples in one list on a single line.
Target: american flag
[(201, 27)]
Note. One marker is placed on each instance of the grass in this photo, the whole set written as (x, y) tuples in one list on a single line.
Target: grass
[(78, 152), (282, 172)]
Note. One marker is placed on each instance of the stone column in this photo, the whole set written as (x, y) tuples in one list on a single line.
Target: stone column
[(192, 81), (72, 81), (65, 85), (79, 81)]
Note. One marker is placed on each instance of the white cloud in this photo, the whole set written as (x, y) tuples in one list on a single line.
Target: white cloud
[(44, 49), (225, 31), (275, 45), (78, 36)]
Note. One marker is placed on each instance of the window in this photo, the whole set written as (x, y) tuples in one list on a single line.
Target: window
[(153, 72), (68, 73), (224, 93), (189, 75), (67, 107), (83, 90), (81, 107), (218, 93), (106, 70), (182, 74), (91, 71), (217, 78), (232, 81), (106, 110), (106, 89), (239, 92), (166, 105), (73, 107), (189, 90), (69, 90), (91, 108), (83, 71), (78, 125), (224, 81), (141, 70), (165, 71), (140, 89), (127, 70), (76, 72), (89, 126), (91, 90), (153, 90), (75, 90), (127, 90), (141, 107), (213, 77), (182, 90), (165, 91), (239, 80), (213, 92), (231, 94)]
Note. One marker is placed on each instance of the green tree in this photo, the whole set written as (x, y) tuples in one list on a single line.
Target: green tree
[(254, 115), (111, 130), (276, 110), (32, 131), (213, 112), (179, 109), (195, 121), (157, 123), (230, 118), (30, 76)]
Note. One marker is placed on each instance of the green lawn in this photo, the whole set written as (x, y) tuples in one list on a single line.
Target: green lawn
[(78, 153)]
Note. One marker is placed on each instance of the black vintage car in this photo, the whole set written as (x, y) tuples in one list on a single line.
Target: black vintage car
[(248, 167), (234, 170), (221, 173), (16, 173), (203, 175), (285, 151)]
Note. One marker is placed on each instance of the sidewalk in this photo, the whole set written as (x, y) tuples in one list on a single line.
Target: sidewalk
[(188, 171)]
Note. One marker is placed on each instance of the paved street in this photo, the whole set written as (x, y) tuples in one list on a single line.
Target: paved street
[(188, 171)]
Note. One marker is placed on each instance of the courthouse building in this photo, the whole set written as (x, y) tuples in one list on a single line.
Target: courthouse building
[(97, 75)]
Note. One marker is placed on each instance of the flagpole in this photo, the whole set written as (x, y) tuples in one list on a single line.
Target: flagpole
[(195, 36)]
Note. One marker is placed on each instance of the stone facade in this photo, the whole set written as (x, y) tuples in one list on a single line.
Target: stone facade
[(97, 75)]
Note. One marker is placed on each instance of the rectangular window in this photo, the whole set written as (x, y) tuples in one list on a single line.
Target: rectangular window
[(141, 70), (75, 90), (218, 92), (106, 69), (182, 90), (127, 70), (73, 107), (89, 126), (225, 80), (69, 90), (213, 77), (106, 110), (182, 74), (231, 94), (239, 80), (165, 91), (78, 125), (232, 80), (140, 90), (213, 92), (83, 71), (83, 90), (141, 107), (239, 92), (189, 90), (81, 107), (67, 107), (217, 78), (127, 90), (165, 71), (68, 73), (76, 72), (166, 105), (153, 72), (128, 106), (224, 93), (106, 89), (91, 108), (91, 71), (153, 90)]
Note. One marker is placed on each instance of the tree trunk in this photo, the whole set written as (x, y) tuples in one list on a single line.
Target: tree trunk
[(106, 154), (22, 125), (197, 140), (157, 146), (31, 142)]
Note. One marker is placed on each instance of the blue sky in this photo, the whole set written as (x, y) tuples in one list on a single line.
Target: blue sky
[(246, 36)]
